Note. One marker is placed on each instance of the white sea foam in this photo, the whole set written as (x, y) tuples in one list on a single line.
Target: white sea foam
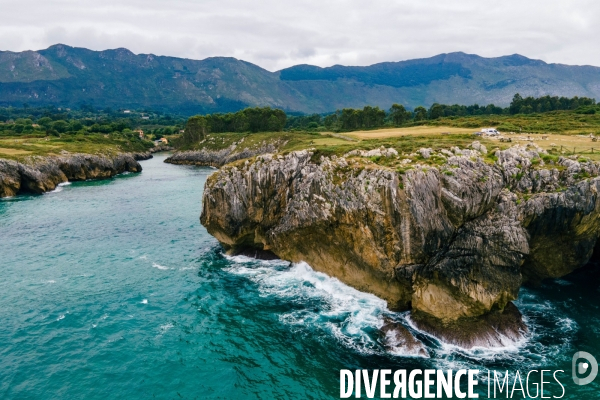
[(567, 324), (164, 328), (348, 314), (161, 267), (562, 282), (51, 281), (254, 261), (145, 301), (61, 316), (59, 187), (508, 349)]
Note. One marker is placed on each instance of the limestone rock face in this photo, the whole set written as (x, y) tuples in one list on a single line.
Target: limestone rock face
[(219, 158), (43, 174), (563, 228), (10, 178), (452, 242)]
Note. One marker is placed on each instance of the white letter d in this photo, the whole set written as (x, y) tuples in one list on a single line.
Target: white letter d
[(346, 391)]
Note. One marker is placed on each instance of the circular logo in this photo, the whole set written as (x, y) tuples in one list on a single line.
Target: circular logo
[(581, 368)]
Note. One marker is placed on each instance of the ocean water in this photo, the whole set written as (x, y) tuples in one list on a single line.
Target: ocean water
[(113, 290)]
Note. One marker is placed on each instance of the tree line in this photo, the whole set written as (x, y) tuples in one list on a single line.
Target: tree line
[(528, 105), (369, 117)]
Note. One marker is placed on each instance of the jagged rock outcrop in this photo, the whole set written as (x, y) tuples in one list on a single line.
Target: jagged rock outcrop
[(450, 242), (498, 328), (218, 158), (397, 339), (43, 174), (161, 147)]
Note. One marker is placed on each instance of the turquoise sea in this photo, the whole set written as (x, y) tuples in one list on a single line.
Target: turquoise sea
[(113, 290)]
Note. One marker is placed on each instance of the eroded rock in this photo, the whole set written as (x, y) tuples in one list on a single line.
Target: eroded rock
[(397, 339), (43, 174), (495, 329)]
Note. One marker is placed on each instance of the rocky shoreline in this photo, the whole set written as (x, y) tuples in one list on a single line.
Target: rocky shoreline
[(453, 241), (43, 174)]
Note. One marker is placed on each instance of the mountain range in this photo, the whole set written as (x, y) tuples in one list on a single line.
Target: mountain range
[(70, 76)]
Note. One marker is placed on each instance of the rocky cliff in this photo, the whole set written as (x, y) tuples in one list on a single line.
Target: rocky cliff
[(218, 158), (42, 174), (452, 240)]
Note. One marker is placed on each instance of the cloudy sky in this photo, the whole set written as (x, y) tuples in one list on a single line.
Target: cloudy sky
[(277, 33)]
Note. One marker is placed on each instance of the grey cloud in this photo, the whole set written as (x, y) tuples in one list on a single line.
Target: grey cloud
[(276, 34)]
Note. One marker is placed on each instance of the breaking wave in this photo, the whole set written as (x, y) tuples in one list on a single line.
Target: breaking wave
[(161, 267), (351, 316)]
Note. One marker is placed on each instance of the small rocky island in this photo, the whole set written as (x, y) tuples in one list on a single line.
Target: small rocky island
[(451, 235)]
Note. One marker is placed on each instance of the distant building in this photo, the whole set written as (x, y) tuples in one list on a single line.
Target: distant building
[(163, 140), (140, 133), (145, 117), (126, 112)]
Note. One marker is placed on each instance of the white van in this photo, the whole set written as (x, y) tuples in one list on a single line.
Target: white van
[(490, 131)]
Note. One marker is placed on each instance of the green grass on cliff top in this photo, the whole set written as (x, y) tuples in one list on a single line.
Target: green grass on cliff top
[(21, 148)]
